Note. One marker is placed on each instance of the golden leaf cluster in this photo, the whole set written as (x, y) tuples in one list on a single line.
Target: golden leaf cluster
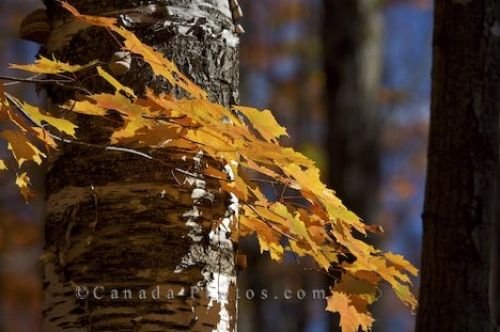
[(283, 201)]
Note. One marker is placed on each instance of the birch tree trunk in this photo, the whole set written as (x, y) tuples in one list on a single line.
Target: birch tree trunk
[(462, 166), (116, 221)]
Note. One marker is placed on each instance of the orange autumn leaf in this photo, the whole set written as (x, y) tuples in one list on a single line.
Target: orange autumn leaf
[(351, 318), (41, 118), (115, 83), (155, 59), (264, 122), (282, 198), (84, 106), (46, 66), (401, 263), (22, 150), (93, 20)]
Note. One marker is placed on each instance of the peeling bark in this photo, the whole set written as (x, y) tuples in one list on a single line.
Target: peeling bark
[(122, 222)]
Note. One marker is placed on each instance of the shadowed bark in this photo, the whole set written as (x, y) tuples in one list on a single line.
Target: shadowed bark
[(462, 166), (119, 221)]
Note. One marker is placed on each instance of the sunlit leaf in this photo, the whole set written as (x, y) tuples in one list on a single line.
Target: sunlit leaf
[(114, 82), (40, 118), (401, 263), (84, 107), (264, 122), (157, 61), (351, 318), (283, 201), (46, 66)]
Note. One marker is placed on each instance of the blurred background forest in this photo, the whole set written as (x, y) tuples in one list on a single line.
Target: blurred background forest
[(351, 82)]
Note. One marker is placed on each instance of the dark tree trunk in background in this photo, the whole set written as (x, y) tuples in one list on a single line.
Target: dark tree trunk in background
[(462, 166), (352, 64), (494, 284), (352, 61), (116, 220)]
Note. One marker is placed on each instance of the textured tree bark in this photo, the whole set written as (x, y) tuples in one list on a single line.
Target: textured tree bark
[(352, 61), (118, 222), (462, 166), (494, 292)]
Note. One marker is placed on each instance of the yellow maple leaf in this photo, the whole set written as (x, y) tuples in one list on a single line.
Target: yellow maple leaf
[(46, 66), (157, 61), (22, 150), (398, 280), (401, 263), (351, 318), (158, 136), (312, 218), (93, 20), (296, 225), (35, 113), (115, 83), (84, 107), (133, 113), (269, 240), (361, 286), (19, 136), (264, 122)]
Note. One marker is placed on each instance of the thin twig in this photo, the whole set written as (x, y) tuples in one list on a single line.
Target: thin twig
[(34, 80), (127, 150), (175, 177), (69, 141), (61, 83)]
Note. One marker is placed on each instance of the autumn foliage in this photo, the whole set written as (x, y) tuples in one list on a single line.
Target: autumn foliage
[(303, 216)]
